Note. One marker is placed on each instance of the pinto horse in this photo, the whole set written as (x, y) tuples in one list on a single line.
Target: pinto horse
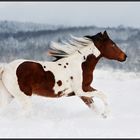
[(71, 74)]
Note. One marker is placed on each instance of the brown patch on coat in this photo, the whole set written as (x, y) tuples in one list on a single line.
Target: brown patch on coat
[(71, 94), (67, 63), (87, 100), (33, 79), (59, 83), (59, 94), (64, 66), (87, 67), (59, 64)]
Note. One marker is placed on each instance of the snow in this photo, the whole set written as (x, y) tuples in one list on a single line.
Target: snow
[(69, 117)]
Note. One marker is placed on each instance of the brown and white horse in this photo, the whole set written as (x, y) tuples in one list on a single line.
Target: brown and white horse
[(71, 74)]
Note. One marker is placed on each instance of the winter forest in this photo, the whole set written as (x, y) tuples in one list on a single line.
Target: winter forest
[(32, 40)]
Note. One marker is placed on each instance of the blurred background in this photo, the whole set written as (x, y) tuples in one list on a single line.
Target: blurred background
[(27, 28), (26, 31)]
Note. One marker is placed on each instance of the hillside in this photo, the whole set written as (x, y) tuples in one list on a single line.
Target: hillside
[(31, 41)]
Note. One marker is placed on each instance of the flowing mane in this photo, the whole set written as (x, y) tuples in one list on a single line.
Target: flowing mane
[(64, 49)]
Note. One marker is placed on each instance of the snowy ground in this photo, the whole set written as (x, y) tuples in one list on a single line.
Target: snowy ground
[(69, 117)]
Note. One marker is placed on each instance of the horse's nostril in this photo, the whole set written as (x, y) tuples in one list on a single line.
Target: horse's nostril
[(125, 56)]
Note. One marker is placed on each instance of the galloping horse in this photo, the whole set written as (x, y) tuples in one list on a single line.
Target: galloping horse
[(71, 74)]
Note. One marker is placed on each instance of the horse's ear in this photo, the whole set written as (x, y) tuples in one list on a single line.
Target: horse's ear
[(105, 34), (97, 37), (100, 35)]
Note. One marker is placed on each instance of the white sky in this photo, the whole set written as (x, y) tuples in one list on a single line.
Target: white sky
[(73, 13)]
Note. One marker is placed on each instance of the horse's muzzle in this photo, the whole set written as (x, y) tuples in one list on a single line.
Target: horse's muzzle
[(123, 58)]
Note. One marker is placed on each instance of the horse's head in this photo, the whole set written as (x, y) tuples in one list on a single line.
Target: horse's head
[(107, 47)]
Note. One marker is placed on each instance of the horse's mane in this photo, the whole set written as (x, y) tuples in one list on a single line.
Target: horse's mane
[(64, 49)]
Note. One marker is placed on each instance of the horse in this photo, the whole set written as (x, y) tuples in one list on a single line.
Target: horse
[(70, 74)]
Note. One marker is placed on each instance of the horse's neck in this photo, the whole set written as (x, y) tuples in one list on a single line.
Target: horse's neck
[(85, 55), (88, 67), (82, 54), (91, 62)]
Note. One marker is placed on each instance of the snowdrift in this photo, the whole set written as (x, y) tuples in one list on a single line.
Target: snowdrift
[(69, 117)]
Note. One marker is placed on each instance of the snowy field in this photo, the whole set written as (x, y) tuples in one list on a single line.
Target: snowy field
[(69, 117)]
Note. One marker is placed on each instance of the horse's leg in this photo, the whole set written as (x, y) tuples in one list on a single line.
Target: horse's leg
[(23, 101), (5, 96), (97, 94), (103, 97), (13, 88), (87, 100), (90, 103)]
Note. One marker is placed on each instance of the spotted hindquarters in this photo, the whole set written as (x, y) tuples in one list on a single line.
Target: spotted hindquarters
[(32, 78)]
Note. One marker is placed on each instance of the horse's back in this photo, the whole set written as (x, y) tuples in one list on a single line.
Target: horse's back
[(42, 78)]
